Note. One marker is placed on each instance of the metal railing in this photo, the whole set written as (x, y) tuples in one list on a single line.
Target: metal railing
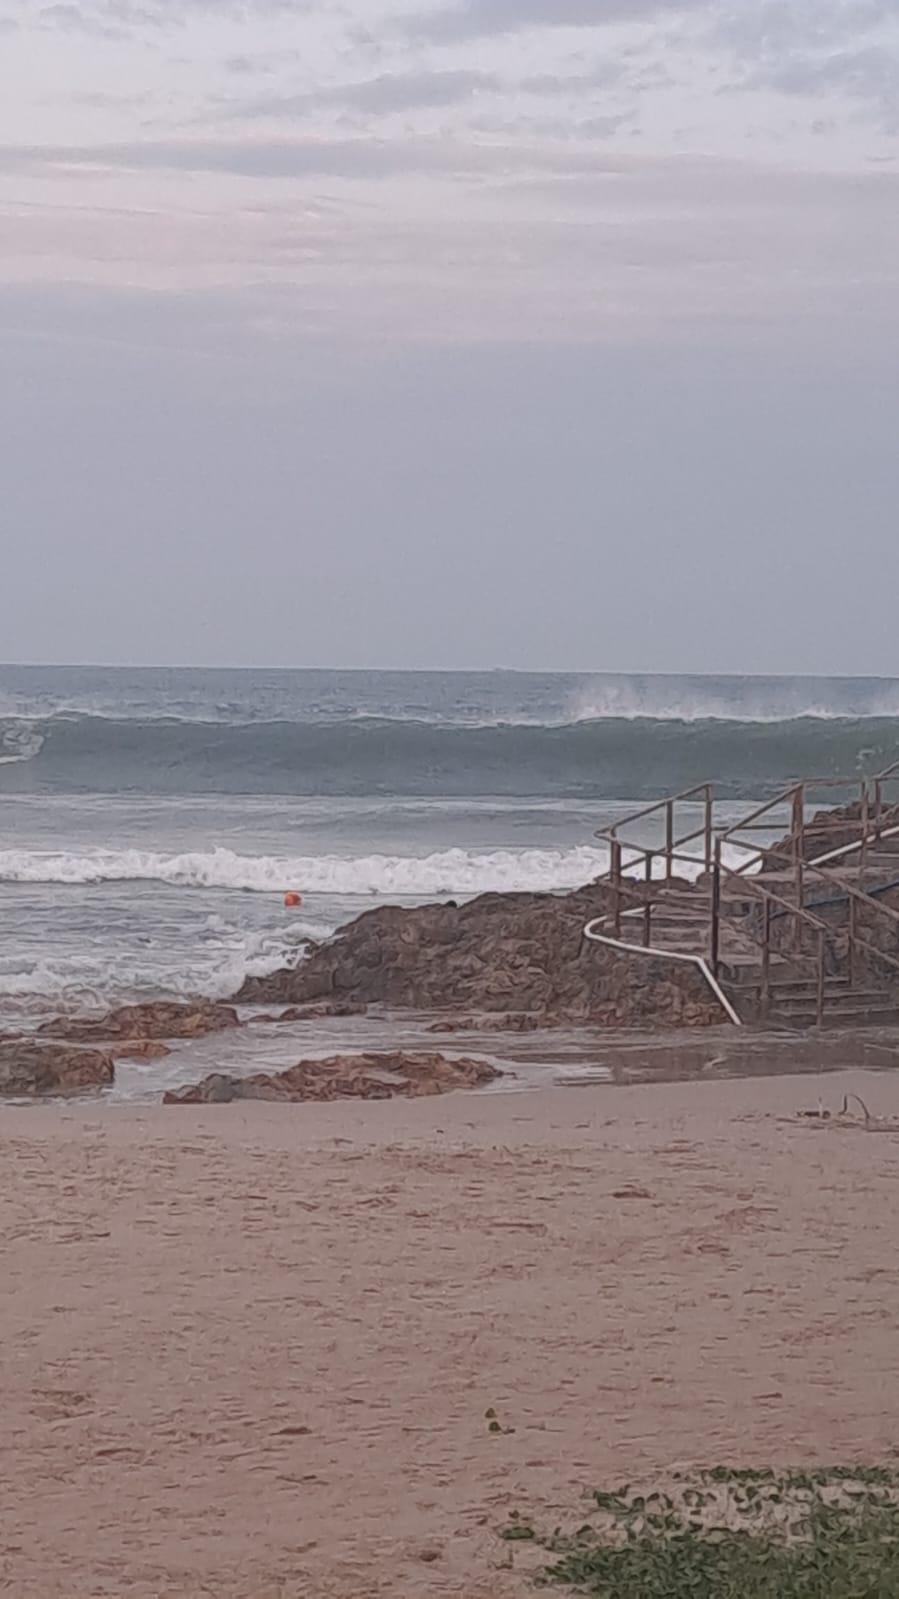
[(811, 940), (873, 821), (674, 845), (594, 931), (772, 908), (826, 938)]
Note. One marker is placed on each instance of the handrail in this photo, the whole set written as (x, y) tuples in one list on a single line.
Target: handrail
[(651, 810), (859, 843), (670, 955), (628, 901)]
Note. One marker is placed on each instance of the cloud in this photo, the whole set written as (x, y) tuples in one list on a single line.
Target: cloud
[(394, 92), (383, 95), (119, 18), (474, 19), (870, 75), (816, 49), (356, 158)]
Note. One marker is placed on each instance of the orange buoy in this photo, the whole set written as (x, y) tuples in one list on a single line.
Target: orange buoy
[(293, 901)]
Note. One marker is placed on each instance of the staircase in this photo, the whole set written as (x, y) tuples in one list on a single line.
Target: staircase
[(800, 936)]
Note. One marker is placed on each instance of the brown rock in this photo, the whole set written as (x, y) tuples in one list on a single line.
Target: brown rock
[(314, 1013), (139, 1049), (497, 955), (365, 1076), (516, 1023), (164, 1019), (29, 1069)]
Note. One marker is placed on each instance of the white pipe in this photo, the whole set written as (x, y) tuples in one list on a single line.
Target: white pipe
[(665, 955), (850, 849)]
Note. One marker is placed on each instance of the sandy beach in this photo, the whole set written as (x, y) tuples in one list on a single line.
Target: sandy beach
[(249, 1351)]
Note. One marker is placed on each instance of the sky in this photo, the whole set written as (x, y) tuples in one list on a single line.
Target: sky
[(450, 333)]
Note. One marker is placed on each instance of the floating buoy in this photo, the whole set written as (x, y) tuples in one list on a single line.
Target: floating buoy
[(293, 901)]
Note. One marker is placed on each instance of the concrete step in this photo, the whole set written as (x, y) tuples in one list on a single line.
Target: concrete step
[(846, 1022), (799, 1005)]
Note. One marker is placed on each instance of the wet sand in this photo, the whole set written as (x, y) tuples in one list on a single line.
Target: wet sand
[(248, 1350)]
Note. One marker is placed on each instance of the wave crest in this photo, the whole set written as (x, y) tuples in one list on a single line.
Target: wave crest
[(453, 871)]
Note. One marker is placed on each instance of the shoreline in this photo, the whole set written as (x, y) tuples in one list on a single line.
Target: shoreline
[(573, 1056), (251, 1352)]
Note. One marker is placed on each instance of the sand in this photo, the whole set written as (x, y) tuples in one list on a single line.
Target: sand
[(248, 1350)]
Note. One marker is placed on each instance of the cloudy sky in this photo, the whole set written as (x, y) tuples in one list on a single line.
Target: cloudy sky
[(451, 332)]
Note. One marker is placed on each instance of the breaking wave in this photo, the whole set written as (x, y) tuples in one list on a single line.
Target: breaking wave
[(453, 871), (613, 757)]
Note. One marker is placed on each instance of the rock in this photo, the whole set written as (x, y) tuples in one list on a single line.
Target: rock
[(314, 1013), (164, 1019), (139, 1049), (29, 1069), (497, 955), (516, 1023), (365, 1076), (826, 831)]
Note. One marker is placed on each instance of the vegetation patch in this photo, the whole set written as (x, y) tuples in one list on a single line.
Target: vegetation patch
[(731, 1534)]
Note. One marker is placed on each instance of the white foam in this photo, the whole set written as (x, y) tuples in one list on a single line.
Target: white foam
[(453, 871), (20, 744), (762, 701), (129, 969)]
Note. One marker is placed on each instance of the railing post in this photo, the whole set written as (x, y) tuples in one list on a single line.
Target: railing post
[(799, 843), (715, 951), (709, 826), (765, 990), (615, 877), (852, 930), (669, 841), (822, 948), (798, 831), (647, 908), (865, 824)]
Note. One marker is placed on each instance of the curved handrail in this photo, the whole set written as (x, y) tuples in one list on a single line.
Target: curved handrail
[(702, 965)]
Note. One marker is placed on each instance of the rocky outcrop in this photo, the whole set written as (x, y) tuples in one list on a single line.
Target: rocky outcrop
[(501, 953), (329, 1010), (374, 1076), (519, 1022), (29, 1069), (131, 1023), (139, 1049), (826, 831)]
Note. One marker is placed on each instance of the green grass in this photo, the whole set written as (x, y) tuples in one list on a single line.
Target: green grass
[(733, 1535)]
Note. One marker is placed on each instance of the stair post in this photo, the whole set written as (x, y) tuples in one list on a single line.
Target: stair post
[(765, 987), (799, 849), (822, 949), (615, 878), (715, 951), (669, 841), (647, 908)]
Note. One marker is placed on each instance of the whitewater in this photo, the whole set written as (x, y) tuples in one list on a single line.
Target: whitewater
[(151, 822), (454, 871)]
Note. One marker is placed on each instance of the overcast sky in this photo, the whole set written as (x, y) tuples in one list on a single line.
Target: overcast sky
[(537, 333)]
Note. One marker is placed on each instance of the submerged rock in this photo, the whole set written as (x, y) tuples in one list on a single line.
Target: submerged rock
[(501, 953), (518, 1022), (157, 1020), (372, 1076), (314, 1013), (29, 1069), (139, 1049)]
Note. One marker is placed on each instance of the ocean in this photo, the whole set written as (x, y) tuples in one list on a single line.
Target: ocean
[(151, 821)]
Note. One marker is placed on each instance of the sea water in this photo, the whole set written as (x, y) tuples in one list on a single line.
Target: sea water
[(151, 821)]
